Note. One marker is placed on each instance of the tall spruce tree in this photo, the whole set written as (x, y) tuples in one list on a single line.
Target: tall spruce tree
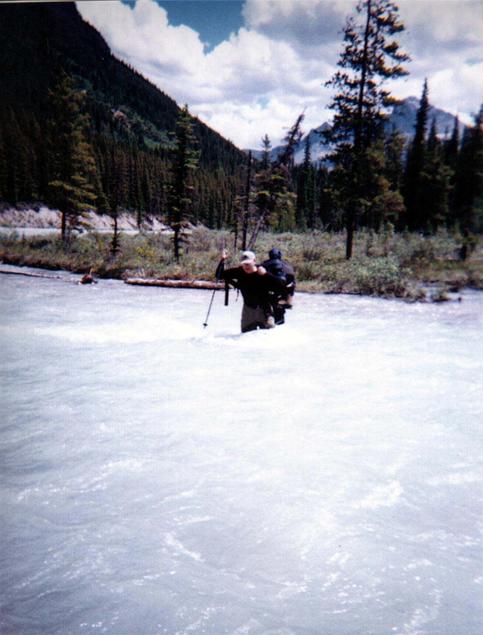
[(185, 161), (285, 201), (384, 204), (3, 168), (73, 171), (292, 139), (394, 167), (21, 166), (266, 150), (451, 152), (468, 194), (452, 146), (263, 200), (275, 199), (117, 190), (242, 217), (305, 190), (415, 213), (371, 56), (434, 183), (329, 195)]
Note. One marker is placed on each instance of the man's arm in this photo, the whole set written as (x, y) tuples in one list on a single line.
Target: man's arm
[(230, 275), (220, 270)]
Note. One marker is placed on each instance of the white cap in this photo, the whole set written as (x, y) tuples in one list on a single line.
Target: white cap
[(248, 256)]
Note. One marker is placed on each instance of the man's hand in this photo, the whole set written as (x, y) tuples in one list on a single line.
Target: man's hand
[(224, 254), (261, 271)]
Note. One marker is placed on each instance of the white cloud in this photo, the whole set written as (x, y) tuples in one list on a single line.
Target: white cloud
[(259, 80), (143, 36), (444, 38), (302, 22), (452, 23)]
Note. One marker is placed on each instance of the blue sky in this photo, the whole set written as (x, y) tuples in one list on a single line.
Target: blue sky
[(249, 68), (214, 20)]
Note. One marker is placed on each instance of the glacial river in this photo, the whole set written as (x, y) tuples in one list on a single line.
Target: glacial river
[(158, 477)]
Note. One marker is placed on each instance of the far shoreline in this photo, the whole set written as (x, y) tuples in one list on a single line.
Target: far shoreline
[(407, 266), (55, 273)]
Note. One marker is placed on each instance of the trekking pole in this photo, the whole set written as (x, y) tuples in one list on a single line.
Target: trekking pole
[(205, 323), (227, 293)]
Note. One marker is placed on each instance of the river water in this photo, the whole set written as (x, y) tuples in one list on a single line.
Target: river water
[(158, 477)]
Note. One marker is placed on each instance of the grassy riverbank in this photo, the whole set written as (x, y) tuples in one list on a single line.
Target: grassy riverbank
[(385, 264)]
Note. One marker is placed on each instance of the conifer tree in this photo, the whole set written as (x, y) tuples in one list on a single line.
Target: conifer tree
[(73, 168), (266, 149), (306, 190), (292, 139), (11, 144), (329, 189), (435, 183), (311, 213), (116, 196), (28, 162), (415, 216), (21, 167), (244, 203), (468, 196), (394, 167), (451, 146), (185, 162), (370, 57), (41, 151), (284, 200), (283, 217), (264, 198), (384, 204), (3, 168), (451, 152), (274, 199)]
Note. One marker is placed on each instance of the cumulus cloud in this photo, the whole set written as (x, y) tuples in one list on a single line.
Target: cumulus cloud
[(303, 22), (307, 24), (142, 35), (259, 80), (248, 86), (450, 23), (444, 38)]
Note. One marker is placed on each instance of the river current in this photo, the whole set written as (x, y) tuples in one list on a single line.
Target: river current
[(160, 477)]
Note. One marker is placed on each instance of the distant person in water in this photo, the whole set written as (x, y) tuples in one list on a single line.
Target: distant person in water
[(284, 299), (255, 284), (88, 278)]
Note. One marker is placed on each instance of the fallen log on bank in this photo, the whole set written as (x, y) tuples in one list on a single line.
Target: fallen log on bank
[(175, 284), (30, 274)]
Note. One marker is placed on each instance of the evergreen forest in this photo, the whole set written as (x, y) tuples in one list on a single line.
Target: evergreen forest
[(79, 104), (80, 129)]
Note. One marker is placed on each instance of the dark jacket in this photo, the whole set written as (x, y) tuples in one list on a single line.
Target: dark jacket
[(254, 288), (282, 270)]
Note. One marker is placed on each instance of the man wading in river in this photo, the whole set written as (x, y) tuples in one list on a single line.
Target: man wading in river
[(281, 300), (255, 284)]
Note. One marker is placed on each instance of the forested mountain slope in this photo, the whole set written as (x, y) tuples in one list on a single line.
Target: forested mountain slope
[(130, 120)]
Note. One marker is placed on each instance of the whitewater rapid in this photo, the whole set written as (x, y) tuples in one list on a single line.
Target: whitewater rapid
[(161, 477)]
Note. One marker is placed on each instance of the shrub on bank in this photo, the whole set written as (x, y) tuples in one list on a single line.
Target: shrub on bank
[(385, 264), (380, 276)]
